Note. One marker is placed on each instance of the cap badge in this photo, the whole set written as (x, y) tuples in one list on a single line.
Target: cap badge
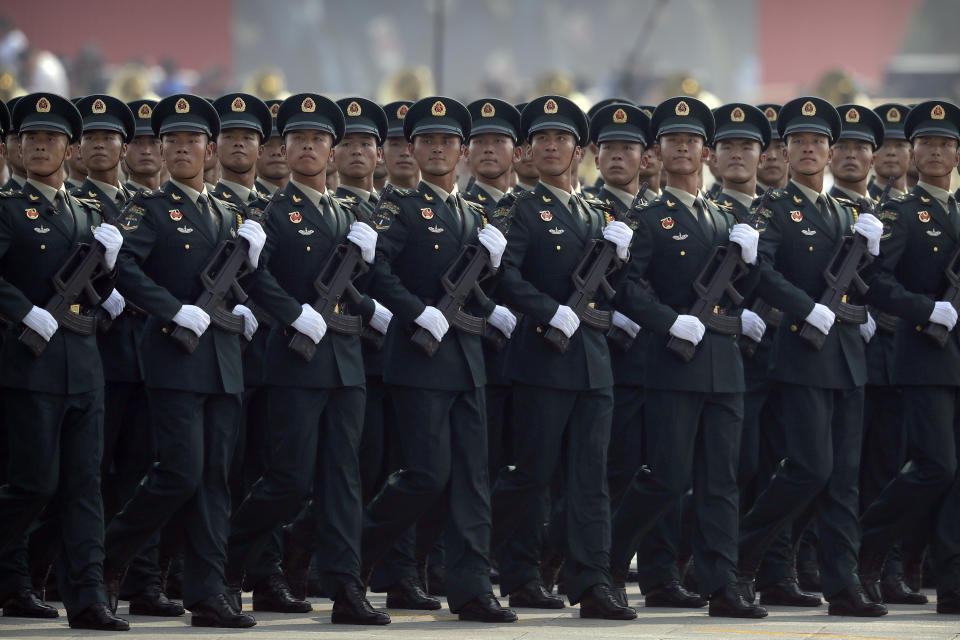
[(308, 105), (937, 113), (487, 110), (737, 115), (852, 115), (274, 109), (771, 114), (648, 112), (808, 109), (98, 106), (550, 106), (144, 111), (438, 109), (893, 115), (182, 106), (353, 109), (682, 108), (238, 105), (619, 116), (402, 112), (43, 105)]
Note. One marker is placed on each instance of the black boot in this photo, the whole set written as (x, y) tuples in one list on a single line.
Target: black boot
[(671, 594), (787, 593), (853, 601), (98, 616), (273, 594), (728, 602), (896, 591), (949, 602), (600, 602), (112, 578), (534, 596), (352, 607), (296, 562), (26, 604), (407, 594), (152, 601), (485, 608), (217, 611)]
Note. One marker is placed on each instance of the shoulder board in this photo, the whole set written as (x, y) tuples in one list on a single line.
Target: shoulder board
[(88, 202), (10, 193), (154, 193), (906, 197), (525, 195), (847, 202), (776, 194), (345, 202), (597, 203), (227, 204), (401, 192), (476, 206)]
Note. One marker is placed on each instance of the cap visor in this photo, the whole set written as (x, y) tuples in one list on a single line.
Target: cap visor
[(240, 124), (808, 128), (559, 125), (858, 135), (682, 128), (45, 125), (932, 130), (493, 128), (730, 133), (621, 135), (436, 128), (362, 128), (193, 127)]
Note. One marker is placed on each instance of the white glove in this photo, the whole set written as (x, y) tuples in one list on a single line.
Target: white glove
[(193, 318), (868, 328), (943, 313), (870, 228), (619, 234), (364, 237), (381, 317), (41, 321), (111, 239), (503, 319), (114, 304), (565, 320), (256, 236), (310, 323), (623, 322), (753, 325), (433, 321), (747, 237), (250, 323), (495, 242), (688, 328), (821, 318)]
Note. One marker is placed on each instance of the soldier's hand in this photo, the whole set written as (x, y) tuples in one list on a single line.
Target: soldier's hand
[(503, 319), (253, 233), (114, 304), (821, 318), (250, 323), (495, 243), (111, 239), (381, 317), (623, 322), (753, 325), (870, 228), (364, 237), (868, 328), (943, 313), (688, 328), (310, 323), (748, 238), (621, 235), (41, 321), (433, 321), (193, 318), (565, 320)]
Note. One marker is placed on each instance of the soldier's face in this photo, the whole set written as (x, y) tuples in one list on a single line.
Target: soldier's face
[(773, 166), (852, 160), (651, 165), (553, 151), (523, 164), (808, 153), (737, 160), (437, 154), (101, 150), (272, 163), (892, 159), (936, 156), (143, 155), (12, 154), (75, 164), (308, 151), (682, 153), (44, 152), (238, 149), (357, 155), (490, 155), (619, 161), (398, 160), (186, 153)]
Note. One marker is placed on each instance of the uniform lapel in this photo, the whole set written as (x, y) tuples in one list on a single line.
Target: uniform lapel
[(189, 210), (309, 211), (441, 211), (90, 190), (558, 211), (808, 211), (46, 211), (932, 206), (685, 217)]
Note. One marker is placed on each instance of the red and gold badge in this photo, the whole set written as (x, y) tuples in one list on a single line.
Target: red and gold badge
[(145, 111), (487, 111), (737, 115), (546, 216), (43, 105), (682, 108), (182, 106), (98, 106), (550, 106), (808, 109), (295, 217), (238, 105), (852, 115), (353, 109), (175, 215), (402, 111), (923, 216), (666, 223), (427, 213), (308, 105), (438, 109), (32, 214), (937, 113), (771, 114), (619, 116), (796, 216)]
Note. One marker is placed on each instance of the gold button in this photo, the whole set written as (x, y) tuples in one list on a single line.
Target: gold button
[(308, 247), (436, 246), (558, 247), (936, 248), (186, 246), (539, 330), (683, 253), (793, 327), (164, 330), (919, 328), (811, 247), (43, 246)]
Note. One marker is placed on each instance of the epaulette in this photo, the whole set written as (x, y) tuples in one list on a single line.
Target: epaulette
[(599, 204), (148, 194), (10, 193), (228, 204), (776, 194), (476, 206), (526, 195), (88, 202), (347, 202)]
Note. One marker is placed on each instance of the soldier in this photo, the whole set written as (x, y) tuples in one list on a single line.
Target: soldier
[(402, 170), (593, 190), (860, 137), (892, 157), (526, 173), (360, 151), (194, 398), (919, 243), (53, 402), (819, 394), (772, 173), (143, 162), (273, 172), (11, 153), (650, 170), (491, 151)]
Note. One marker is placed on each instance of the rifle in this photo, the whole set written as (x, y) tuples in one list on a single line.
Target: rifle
[(104, 319), (938, 332), (843, 271), (335, 281), (83, 268), (617, 336), (748, 347)]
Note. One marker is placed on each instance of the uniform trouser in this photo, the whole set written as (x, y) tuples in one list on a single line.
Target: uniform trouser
[(313, 436), (657, 552), (195, 435), (443, 459), (54, 446), (545, 421), (694, 436), (822, 436), (248, 466), (928, 483)]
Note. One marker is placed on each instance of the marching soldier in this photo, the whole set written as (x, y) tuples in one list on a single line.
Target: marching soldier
[(273, 172), (402, 170), (892, 158), (53, 402), (526, 173), (194, 397), (860, 137), (142, 161), (919, 245), (819, 398), (11, 154), (491, 151), (772, 173), (76, 170)]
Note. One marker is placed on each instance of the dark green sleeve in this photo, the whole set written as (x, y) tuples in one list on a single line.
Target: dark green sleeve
[(139, 239), (518, 292)]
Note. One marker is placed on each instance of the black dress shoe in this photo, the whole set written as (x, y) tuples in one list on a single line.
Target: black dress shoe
[(152, 601), (407, 594), (949, 602), (216, 611), (747, 587), (871, 587), (853, 601), (533, 596), (273, 594), (600, 602), (98, 616), (787, 593), (896, 591), (352, 607), (486, 608), (620, 595), (672, 594), (728, 602), (26, 604)]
